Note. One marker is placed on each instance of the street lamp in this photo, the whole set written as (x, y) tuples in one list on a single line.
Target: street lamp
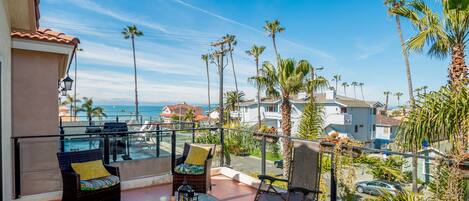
[(67, 83), (63, 92)]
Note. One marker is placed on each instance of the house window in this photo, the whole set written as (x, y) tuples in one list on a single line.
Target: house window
[(387, 130), (374, 127), (374, 111), (271, 109), (343, 110), (356, 128)]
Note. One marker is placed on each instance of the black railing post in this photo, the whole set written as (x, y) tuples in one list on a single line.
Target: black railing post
[(117, 118), (222, 144), (62, 138), (173, 151), (193, 132), (106, 149), (17, 155), (158, 132), (263, 154), (333, 186), (89, 121), (141, 119), (114, 148)]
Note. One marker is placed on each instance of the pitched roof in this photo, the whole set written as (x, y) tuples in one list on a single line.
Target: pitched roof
[(46, 35), (387, 121), (182, 108)]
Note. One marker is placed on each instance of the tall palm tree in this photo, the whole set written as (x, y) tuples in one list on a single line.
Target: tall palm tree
[(69, 100), (425, 88), (446, 34), (132, 32), (345, 85), (272, 28), (256, 52), (205, 58), (386, 93), (231, 41), (232, 100), (395, 4), (90, 110), (336, 78), (418, 90), (361, 89), (398, 96), (355, 84), (284, 81)]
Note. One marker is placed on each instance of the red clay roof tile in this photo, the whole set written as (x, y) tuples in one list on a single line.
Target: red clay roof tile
[(46, 35)]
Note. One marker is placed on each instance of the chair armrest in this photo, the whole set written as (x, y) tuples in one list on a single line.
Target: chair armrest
[(113, 170), (304, 190), (180, 160), (271, 179), (71, 181), (208, 166)]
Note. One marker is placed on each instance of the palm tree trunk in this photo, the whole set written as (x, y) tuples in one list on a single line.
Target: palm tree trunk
[(286, 128), (75, 88), (234, 72), (275, 49), (386, 105), (361, 89), (135, 80), (355, 92), (345, 90), (411, 97), (337, 85), (458, 68), (259, 120), (208, 88)]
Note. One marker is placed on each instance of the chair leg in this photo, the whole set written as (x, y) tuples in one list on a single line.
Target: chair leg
[(258, 192)]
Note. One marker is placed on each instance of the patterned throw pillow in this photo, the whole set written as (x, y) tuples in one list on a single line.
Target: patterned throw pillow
[(90, 170), (99, 183), (189, 169)]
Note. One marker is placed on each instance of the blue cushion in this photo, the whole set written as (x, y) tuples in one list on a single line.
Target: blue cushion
[(99, 183), (189, 169)]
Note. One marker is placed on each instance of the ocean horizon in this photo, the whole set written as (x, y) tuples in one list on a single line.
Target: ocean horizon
[(147, 111)]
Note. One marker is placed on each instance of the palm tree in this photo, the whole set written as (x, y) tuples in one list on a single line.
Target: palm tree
[(132, 32), (361, 89), (90, 110), (189, 116), (386, 93), (272, 28), (355, 84), (284, 81), (425, 88), (231, 41), (256, 52), (418, 90), (204, 57), (446, 34), (345, 85), (69, 100), (336, 78), (232, 100), (392, 4), (398, 96)]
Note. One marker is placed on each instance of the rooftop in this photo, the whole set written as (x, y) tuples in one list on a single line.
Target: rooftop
[(46, 35)]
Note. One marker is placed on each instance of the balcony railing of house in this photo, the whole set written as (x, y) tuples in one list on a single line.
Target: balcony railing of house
[(93, 120), (242, 150)]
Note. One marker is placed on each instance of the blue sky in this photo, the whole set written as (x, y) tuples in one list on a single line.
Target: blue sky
[(356, 39)]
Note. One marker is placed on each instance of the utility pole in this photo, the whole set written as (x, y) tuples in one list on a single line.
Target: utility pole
[(75, 86), (218, 59)]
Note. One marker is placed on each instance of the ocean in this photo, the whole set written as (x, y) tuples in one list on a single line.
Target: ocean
[(147, 111)]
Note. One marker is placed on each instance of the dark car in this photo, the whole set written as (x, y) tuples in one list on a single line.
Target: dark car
[(377, 187)]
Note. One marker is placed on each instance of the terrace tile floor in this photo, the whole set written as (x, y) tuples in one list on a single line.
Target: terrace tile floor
[(224, 189)]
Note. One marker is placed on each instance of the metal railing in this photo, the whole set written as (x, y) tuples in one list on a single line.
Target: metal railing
[(109, 146)]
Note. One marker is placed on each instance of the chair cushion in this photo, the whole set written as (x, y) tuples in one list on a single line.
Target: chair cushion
[(99, 183), (189, 169), (90, 170), (197, 155)]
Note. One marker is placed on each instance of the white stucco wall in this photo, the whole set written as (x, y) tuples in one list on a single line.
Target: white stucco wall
[(5, 58)]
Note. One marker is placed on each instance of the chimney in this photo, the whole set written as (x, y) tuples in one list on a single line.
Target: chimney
[(330, 94)]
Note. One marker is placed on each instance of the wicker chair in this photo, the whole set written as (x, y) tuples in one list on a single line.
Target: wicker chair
[(71, 180), (199, 183), (305, 174)]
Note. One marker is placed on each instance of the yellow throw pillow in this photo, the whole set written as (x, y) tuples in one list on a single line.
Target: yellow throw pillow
[(90, 170), (197, 155)]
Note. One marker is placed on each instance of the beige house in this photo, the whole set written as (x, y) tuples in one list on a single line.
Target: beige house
[(32, 63)]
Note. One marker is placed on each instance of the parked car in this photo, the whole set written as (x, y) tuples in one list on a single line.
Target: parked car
[(376, 187)]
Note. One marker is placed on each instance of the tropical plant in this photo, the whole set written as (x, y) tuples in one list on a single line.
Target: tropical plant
[(272, 28), (398, 96), (425, 88), (205, 58), (345, 85), (90, 110), (69, 100), (231, 41), (400, 196), (448, 182), (189, 115), (284, 81), (132, 32), (256, 52), (232, 99), (311, 122), (336, 78), (361, 89), (446, 34), (354, 84), (386, 105), (418, 90)]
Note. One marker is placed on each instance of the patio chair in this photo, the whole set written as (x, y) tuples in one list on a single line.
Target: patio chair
[(200, 183), (305, 174), (72, 190)]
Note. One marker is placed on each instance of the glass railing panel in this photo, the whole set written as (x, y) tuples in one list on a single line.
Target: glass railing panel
[(210, 137), (242, 146), (82, 143)]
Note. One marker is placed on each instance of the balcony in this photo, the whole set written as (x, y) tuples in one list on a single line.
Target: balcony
[(338, 119), (272, 115)]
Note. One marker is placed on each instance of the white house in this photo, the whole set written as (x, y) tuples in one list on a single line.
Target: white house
[(347, 116)]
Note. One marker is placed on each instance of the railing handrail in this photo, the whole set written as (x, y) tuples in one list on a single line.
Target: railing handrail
[(136, 124)]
